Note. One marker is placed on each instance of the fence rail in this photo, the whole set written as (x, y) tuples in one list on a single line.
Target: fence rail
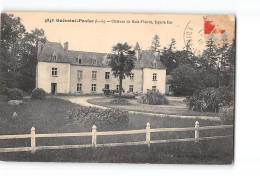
[(94, 135)]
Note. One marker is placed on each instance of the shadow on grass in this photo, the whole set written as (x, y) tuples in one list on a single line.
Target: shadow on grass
[(48, 116), (204, 152)]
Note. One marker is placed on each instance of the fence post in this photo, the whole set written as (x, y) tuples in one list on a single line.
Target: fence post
[(33, 140), (94, 136), (148, 134), (197, 133)]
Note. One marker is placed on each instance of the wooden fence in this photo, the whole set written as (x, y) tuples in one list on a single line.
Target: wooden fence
[(94, 135)]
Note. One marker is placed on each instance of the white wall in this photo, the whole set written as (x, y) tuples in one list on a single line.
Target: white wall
[(87, 81), (45, 78), (148, 79), (67, 78)]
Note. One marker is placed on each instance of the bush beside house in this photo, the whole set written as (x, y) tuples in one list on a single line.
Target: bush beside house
[(14, 94), (38, 94), (153, 98)]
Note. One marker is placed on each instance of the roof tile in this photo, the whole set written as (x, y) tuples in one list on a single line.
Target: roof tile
[(147, 58)]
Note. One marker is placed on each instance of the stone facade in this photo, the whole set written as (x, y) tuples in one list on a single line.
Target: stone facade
[(60, 70)]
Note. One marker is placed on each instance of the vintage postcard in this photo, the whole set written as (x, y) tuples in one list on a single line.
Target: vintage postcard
[(117, 88)]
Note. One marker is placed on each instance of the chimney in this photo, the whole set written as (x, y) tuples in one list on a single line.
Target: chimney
[(39, 50), (138, 54), (137, 50), (66, 47)]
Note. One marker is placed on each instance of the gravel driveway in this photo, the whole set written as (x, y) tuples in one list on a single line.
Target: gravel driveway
[(84, 102)]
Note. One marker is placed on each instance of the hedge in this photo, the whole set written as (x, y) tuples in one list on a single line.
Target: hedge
[(119, 101), (14, 94), (102, 118), (153, 98), (226, 114), (210, 99), (125, 95)]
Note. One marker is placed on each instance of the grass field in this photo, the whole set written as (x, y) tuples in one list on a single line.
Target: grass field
[(49, 116), (176, 107)]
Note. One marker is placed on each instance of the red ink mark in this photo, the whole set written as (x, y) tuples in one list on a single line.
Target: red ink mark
[(210, 27), (222, 31)]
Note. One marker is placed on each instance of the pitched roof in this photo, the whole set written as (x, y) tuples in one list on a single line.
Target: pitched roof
[(53, 48), (87, 58), (148, 59)]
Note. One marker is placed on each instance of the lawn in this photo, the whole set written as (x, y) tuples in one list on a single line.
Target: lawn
[(49, 116), (176, 106)]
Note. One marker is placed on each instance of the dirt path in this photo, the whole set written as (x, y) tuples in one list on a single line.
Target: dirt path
[(84, 102), (81, 100)]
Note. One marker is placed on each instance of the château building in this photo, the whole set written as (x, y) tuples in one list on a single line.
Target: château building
[(60, 70)]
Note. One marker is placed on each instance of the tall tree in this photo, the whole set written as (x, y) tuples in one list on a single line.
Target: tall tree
[(172, 45), (3, 86), (168, 59), (18, 53), (222, 59), (137, 46), (185, 80), (155, 43), (12, 30), (209, 63), (227, 61), (122, 62), (28, 49), (172, 59)]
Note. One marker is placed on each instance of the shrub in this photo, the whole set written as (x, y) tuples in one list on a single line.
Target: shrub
[(184, 80), (210, 99), (226, 114), (125, 95), (14, 94), (119, 101), (102, 118), (153, 98), (38, 94)]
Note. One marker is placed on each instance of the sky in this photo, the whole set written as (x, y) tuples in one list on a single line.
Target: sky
[(100, 31)]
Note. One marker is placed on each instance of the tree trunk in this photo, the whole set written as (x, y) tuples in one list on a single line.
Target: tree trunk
[(218, 77), (120, 83)]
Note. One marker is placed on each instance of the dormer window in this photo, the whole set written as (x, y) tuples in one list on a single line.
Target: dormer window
[(53, 57), (94, 62), (78, 60)]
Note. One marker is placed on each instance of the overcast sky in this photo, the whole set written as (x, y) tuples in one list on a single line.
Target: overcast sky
[(100, 37)]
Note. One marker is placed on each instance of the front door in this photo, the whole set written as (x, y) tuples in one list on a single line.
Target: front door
[(53, 88)]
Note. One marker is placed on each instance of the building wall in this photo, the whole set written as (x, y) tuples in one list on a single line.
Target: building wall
[(148, 82), (67, 78), (100, 81), (136, 82), (45, 78)]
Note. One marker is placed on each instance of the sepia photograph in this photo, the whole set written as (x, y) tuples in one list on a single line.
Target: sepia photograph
[(117, 88)]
